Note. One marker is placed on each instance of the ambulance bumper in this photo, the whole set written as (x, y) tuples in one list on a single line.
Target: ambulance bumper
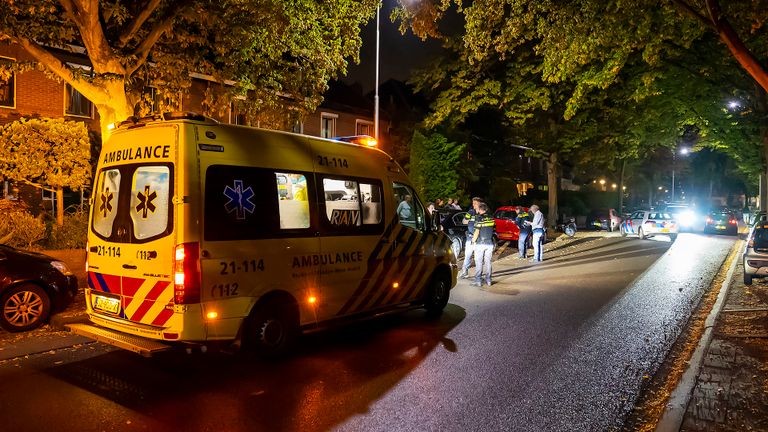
[(140, 345)]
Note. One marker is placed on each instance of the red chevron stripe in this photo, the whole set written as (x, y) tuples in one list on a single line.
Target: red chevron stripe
[(163, 317), (149, 300)]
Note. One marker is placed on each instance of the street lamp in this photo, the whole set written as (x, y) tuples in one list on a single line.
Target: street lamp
[(684, 152), (376, 94)]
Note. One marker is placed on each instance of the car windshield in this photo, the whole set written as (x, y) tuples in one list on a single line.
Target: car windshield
[(676, 209), (760, 237), (662, 216)]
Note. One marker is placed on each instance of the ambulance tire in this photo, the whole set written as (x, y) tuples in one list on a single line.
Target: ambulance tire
[(273, 328), (437, 294)]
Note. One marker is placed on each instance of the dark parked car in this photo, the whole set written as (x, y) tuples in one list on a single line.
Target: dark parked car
[(453, 225), (452, 221), (604, 219), (32, 285), (722, 220)]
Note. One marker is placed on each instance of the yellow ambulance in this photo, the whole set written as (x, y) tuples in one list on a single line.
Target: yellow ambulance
[(203, 232)]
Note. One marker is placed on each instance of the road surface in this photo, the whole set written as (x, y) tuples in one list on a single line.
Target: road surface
[(560, 346)]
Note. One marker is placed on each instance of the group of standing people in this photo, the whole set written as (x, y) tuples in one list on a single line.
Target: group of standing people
[(480, 238)]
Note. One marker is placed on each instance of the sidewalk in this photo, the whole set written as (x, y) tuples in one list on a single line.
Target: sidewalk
[(731, 391)]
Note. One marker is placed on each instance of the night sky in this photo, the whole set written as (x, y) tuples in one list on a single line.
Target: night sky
[(400, 54)]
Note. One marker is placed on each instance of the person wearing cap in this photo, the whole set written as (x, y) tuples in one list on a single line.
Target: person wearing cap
[(485, 225), (537, 227)]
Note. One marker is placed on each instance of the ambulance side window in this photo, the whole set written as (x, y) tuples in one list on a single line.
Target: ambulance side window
[(371, 203), (293, 200), (409, 209), (105, 201), (352, 206)]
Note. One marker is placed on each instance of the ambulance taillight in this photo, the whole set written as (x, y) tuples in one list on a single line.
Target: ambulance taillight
[(187, 274)]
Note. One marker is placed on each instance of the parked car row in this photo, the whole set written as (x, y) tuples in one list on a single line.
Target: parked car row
[(32, 286)]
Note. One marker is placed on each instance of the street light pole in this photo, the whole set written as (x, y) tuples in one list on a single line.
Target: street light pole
[(376, 97), (673, 175)]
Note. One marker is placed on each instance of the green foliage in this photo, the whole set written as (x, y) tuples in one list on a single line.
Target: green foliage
[(278, 54), (72, 235), (21, 229), (503, 191), (47, 152), (434, 167)]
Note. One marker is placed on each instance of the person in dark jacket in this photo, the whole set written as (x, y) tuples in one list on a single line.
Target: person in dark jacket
[(485, 226), (523, 221)]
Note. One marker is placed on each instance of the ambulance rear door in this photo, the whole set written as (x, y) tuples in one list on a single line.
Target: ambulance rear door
[(132, 237)]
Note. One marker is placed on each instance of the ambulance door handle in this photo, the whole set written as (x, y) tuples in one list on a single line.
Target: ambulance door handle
[(128, 266)]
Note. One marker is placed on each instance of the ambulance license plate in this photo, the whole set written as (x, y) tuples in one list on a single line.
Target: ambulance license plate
[(106, 304)]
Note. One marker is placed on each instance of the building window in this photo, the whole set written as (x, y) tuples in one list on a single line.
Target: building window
[(7, 86), (364, 127), (236, 115), (10, 190), (76, 104), (328, 125), (298, 127)]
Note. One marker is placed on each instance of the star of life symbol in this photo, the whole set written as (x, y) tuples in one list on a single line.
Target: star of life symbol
[(239, 200), (106, 202), (145, 202)]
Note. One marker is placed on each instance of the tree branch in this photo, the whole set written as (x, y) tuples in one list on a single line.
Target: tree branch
[(685, 7), (736, 45), (85, 14), (137, 22), (142, 51), (43, 56)]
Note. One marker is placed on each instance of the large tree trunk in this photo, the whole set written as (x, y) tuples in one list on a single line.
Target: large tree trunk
[(116, 108), (552, 177), (60, 206)]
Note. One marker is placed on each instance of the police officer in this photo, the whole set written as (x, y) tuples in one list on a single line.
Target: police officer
[(485, 226), (469, 221), (523, 222)]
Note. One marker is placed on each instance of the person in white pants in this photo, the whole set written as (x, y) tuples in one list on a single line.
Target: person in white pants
[(538, 227), (469, 247)]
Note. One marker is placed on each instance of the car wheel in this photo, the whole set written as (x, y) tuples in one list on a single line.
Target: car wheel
[(747, 279), (673, 237), (457, 246), (437, 295), (640, 234), (623, 231), (24, 307), (272, 329)]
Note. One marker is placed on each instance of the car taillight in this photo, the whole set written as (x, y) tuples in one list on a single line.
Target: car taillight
[(732, 222), (186, 275), (709, 220)]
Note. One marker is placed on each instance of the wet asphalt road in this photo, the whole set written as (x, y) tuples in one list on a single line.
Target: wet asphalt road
[(561, 345)]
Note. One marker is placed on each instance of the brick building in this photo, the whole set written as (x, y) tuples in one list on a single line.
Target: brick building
[(35, 93)]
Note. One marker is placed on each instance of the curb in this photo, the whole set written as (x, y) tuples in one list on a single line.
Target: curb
[(673, 416)]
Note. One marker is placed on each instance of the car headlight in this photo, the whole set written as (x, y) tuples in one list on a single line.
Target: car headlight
[(687, 218), (61, 267)]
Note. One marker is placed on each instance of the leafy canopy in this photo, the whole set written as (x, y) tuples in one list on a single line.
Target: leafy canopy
[(275, 56), (51, 153)]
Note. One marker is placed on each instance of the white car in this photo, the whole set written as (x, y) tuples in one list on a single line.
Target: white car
[(648, 223), (756, 253)]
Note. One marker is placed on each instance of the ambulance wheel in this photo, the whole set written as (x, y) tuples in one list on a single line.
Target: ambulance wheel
[(273, 328), (24, 307), (437, 295)]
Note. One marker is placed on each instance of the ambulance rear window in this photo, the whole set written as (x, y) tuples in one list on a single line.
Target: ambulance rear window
[(132, 203)]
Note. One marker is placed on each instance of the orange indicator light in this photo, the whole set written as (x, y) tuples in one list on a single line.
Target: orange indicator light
[(312, 300), (212, 315), (396, 285)]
